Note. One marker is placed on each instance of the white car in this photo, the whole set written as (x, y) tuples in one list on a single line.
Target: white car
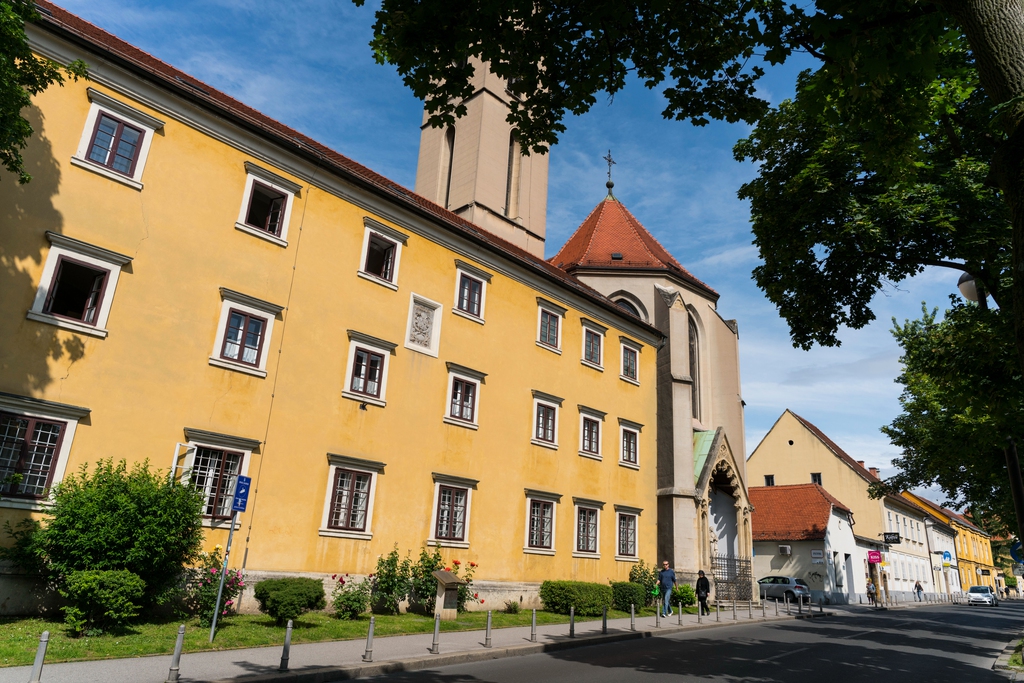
[(982, 595)]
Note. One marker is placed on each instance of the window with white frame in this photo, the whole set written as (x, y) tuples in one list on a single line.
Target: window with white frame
[(213, 463), (77, 286), (367, 368), (470, 291), (266, 204), (588, 527), (453, 498), (463, 395), (540, 522), (244, 333), (35, 442), (629, 431), (423, 327), (348, 504), (630, 355), (381, 254), (593, 344), (591, 421), (549, 325), (626, 533), (545, 419), (116, 139)]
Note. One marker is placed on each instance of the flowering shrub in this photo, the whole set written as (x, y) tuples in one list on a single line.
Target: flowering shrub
[(203, 584), (466, 592), (350, 598), (389, 585), (423, 594)]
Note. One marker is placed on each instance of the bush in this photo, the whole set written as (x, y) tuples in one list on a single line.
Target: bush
[(203, 583), (684, 595), (286, 599), (588, 598), (349, 598), (511, 607), (647, 577), (101, 600), (626, 593), (389, 585), (423, 591), (465, 590)]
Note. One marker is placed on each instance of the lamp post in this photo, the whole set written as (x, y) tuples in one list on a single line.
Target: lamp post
[(973, 290)]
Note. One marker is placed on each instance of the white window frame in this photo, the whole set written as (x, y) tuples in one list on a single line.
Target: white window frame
[(256, 174), (544, 497), (98, 257), (231, 299), (199, 438), (589, 504), (385, 349), (626, 343), (452, 482), (435, 326), (628, 511), (597, 416), (540, 398), (105, 104), (51, 411), (399, 239), (374, 469), (543, 305), (601, 332), (629, 426), (456, 371), (484, 278)]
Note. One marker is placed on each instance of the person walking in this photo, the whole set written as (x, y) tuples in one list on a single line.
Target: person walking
[(667, 581), (871, 592), (703, 590), (918, 591)]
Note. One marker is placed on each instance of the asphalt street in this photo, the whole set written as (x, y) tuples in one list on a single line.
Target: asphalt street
[(942, 643)]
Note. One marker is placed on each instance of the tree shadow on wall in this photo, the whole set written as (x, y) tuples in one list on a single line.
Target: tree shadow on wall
[(28, 348)]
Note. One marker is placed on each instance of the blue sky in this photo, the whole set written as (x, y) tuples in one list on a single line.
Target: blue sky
[(307, 64)]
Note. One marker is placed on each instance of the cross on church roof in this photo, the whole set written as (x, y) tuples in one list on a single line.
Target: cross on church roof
[(611, 162)]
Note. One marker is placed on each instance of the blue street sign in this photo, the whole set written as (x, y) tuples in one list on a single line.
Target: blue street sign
[(947, 558), (1015, 552), (242, 485)]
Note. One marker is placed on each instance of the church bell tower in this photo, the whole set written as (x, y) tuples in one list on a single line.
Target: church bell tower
[(475, 168)]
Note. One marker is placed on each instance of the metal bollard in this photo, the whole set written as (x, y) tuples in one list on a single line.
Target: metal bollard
[(287, 647), (750, 609), (718, 611), (700, 613), (435, 648), (572, 622), (657, 618), (632, 618), (37, 666), (734, 610), (368, 655), (172, 675), (487, 635), (533, 627), (604, 620), (789, 608), (764, 610), (776, 608), (679, 607), (799, 605), (821, 610)]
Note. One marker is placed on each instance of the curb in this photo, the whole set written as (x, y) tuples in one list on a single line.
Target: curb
[(1002, 662), (347, 673)]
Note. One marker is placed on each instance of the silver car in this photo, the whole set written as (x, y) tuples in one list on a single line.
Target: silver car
[(982, 595), (784, 587)]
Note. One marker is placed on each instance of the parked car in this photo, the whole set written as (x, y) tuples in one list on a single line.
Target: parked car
[(982, 595), (783, 587)]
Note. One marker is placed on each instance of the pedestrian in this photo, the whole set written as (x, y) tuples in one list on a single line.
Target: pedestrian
[(918, 591), (871, 592), (703, 590), (667, 581)]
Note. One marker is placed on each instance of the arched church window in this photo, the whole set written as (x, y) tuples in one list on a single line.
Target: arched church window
[(694, 368), (447, 160), (515, 158), (628, 307)]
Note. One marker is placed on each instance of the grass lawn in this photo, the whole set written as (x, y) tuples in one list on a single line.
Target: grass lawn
[(1015, 658), (19, 637)]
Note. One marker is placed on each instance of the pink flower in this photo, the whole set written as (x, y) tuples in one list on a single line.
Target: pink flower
[(334, 576), (230, 602), (212, 570)]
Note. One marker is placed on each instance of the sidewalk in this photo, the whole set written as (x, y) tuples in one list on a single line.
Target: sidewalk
[(342, 660)]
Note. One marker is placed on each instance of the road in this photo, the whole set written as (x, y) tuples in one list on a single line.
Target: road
[(942, 643)]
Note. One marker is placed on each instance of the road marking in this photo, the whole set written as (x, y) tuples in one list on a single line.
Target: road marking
[(856, 635), (784, 654)]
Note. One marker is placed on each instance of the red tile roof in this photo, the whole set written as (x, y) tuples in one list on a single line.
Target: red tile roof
[(58, 20), (798, 512), (612, 229)]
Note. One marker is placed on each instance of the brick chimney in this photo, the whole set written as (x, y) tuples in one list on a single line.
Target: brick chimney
[(874, 472), (861, 463)]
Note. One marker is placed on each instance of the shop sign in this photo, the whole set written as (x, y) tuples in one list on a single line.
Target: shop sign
[(985, 572), (874, 557), (817, 553), (891, 538)]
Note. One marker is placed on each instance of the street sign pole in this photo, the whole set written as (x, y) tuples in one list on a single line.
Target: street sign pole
[(238, 503)]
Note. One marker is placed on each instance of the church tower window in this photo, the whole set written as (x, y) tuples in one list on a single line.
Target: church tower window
[(447, 161), (694, 368), (512, 177)]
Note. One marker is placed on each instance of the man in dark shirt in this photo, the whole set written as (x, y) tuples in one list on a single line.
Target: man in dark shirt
[(667, 581), (703, 590)]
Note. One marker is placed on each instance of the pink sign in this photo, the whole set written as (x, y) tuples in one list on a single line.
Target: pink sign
[(874, 557)]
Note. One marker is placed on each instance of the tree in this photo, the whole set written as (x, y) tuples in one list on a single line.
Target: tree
[(22, 74)]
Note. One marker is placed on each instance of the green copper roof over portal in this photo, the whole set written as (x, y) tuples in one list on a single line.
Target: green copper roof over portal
[(701, 446)]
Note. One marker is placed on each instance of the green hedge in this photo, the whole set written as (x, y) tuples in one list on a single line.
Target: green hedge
[(286, 599), (684, 595), (626, 593), (101, 600), (588, 598)]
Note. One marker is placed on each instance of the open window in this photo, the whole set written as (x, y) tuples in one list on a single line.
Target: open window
[(266, 205), (382, 253)]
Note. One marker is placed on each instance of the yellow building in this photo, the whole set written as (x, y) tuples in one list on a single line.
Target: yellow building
[(973, 553), (190, 282)]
